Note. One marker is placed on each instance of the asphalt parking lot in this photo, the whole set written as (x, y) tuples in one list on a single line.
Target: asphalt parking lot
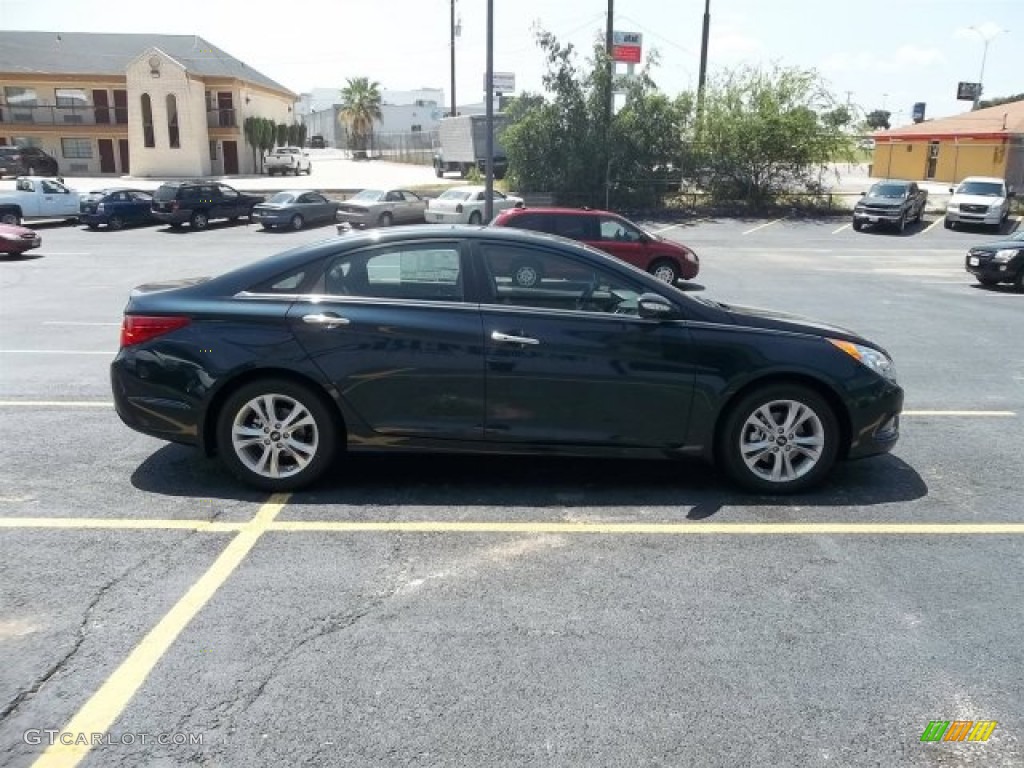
[(487, 611)]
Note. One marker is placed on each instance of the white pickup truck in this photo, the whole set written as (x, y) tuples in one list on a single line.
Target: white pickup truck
[(288, 160), (35, 197)]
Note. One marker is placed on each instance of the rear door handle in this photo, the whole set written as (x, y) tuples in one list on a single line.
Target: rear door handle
[(507, 339), (328, 320)]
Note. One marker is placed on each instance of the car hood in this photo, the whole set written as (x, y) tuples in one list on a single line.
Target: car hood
[(959, 199), (998, 245), (879, 200), (754, 317)]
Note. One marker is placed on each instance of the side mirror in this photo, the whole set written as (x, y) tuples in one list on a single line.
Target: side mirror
[(655, 307)]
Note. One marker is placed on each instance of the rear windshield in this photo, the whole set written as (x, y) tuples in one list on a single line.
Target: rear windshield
[(455, 194), (166, 193), (282, 197), (370, 195), (286, 151)]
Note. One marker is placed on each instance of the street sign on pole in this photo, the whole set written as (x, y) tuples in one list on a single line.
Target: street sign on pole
[(968, 91), (627, 47), (503, 82)]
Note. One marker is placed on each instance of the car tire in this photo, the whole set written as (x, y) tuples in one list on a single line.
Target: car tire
[(759, 456), (297, 222), (93, 227), (199, 220), (309, 170), (475, 217), (901, 227), (30, 170), (527, 274), (115, 222), (297, 170), (858, 226), (10, 217), (276, 466), (267, 227), (439, 172), (988, 282), (385, 220), (948, 224), (665, 270)]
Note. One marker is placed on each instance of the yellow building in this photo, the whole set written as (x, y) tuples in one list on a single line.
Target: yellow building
[(149, 105), (987, 142)]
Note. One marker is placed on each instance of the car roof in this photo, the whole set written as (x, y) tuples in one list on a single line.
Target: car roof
[(993, 179), (560, 211)]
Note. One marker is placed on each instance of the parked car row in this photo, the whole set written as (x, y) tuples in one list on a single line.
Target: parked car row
[(977, 200)]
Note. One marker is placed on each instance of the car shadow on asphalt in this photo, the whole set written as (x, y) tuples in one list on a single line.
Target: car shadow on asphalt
[(502, 481), (25, 256), (186, 229)]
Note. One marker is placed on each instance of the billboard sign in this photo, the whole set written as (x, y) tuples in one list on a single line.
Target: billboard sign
[(918, 113), (627, 47), (968, 91), (504, 82)]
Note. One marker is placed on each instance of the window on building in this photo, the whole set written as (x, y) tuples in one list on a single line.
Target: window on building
[(76, 149), (148, 134), (20, 97), (27, 141), (71, 97), (417, 128), (213, 151), (173, 136)]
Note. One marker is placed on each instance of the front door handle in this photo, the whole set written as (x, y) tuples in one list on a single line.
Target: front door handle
[(328, 320), (507, 339)]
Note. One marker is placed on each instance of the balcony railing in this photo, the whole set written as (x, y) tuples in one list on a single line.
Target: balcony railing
[(13, 114), (221, 118)]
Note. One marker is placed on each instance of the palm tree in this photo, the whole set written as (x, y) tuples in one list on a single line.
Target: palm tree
[(360, 109)]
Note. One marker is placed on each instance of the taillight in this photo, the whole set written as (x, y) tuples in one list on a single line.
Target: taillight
[(174, 205), (458, 208), (136, 329)]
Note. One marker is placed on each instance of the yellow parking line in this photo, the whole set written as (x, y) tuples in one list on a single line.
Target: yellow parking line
[(106, 705), (982, 414), (762, 226), (688, 528), (845, 226), (55, 404), (935, 223), (120, 523)]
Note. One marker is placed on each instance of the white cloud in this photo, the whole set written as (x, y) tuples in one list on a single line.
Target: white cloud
[(903, 58), (985, 31), (729, 42)]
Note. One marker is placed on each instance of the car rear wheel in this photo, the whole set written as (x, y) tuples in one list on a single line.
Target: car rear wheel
[(781, 438), (199, 220), (276, 435), (116, 222), (309, 169), (298, 222), (665, 271)]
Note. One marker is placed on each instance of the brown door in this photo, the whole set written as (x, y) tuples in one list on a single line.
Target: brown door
[(230, 158), (101, 107), (122, 149), (121, 107), (107, 156)]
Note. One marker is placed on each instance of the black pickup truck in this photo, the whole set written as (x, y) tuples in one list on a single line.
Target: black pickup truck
[(890, 203)]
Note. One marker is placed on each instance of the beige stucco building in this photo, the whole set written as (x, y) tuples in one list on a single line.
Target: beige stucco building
[(145, 105)]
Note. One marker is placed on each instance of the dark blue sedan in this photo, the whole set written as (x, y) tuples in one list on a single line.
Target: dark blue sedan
[(116, 208)]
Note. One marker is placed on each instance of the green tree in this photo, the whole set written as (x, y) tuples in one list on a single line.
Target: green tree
[(281, 134), (267, 133), (250, 129), (766, 132), (1000, 101), (360, 109), (293, 135), (878, 119)]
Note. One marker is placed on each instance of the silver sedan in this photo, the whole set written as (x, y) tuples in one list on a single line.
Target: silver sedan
[(382, 208)]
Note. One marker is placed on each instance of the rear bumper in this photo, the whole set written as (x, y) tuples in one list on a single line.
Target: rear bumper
[(154, 410), (172, 217)]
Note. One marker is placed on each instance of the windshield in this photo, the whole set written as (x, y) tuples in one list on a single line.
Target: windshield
[(455, 194), (888, 190), (369, 195), (286, 151), (983, 188), (282, 197)]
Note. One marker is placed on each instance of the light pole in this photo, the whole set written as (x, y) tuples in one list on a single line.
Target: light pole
[(986, 38), (456, 31)]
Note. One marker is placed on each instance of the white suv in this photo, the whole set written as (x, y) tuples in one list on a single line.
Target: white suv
[(979, 200), (288, 160)]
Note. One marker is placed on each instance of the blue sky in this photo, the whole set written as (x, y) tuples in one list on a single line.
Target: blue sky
[(875, 53)]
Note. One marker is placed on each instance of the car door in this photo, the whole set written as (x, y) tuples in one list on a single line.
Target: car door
[(56, 200), (311, 206), (622, 240), (229, 203), (140, 207), (412, 207), (569, 361), (390, 327)]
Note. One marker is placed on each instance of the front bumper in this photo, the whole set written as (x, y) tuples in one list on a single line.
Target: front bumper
[(990, 218), (987, 268), (875, 421), (878, 217)]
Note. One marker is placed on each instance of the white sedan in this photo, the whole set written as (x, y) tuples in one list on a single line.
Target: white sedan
[(465, 205)]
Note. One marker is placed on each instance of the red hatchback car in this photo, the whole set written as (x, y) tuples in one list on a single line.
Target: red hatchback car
[(610, 233), (15, 240)]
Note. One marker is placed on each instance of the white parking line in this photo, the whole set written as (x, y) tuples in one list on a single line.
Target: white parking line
[(935, 223), (762, 226), (664, 229), (74, 322), (845, 226), (980, 414), (55, 352)]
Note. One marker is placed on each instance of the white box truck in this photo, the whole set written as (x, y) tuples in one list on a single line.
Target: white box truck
[(463, 145)]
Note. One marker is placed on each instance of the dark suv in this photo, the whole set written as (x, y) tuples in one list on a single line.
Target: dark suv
[(27, 161), (608, 232), (198, 202), (999, 261)]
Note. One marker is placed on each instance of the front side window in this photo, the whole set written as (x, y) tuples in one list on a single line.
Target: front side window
[(617, 230), (521, 276), (429, 271), (52, 187), (76, 149), (227, 192)]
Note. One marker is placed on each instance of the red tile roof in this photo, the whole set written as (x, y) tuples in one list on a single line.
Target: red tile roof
[(992, 122)]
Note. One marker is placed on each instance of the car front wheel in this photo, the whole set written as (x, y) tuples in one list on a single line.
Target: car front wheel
[(277, 435), (665, 271), (782, 438)]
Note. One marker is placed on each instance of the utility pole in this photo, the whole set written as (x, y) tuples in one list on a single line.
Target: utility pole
[(702, 77), (609, 44), (489, 96), (453, 59)]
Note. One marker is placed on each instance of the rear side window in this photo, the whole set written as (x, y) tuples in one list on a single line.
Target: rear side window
[(537, 222), (577, 227), (166, 193), (426, 272)]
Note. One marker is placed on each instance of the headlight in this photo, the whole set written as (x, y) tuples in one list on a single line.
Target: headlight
[(1004, 255), (954, 207), (12, 238), (868, 356), (996, 207), (101, 208)]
